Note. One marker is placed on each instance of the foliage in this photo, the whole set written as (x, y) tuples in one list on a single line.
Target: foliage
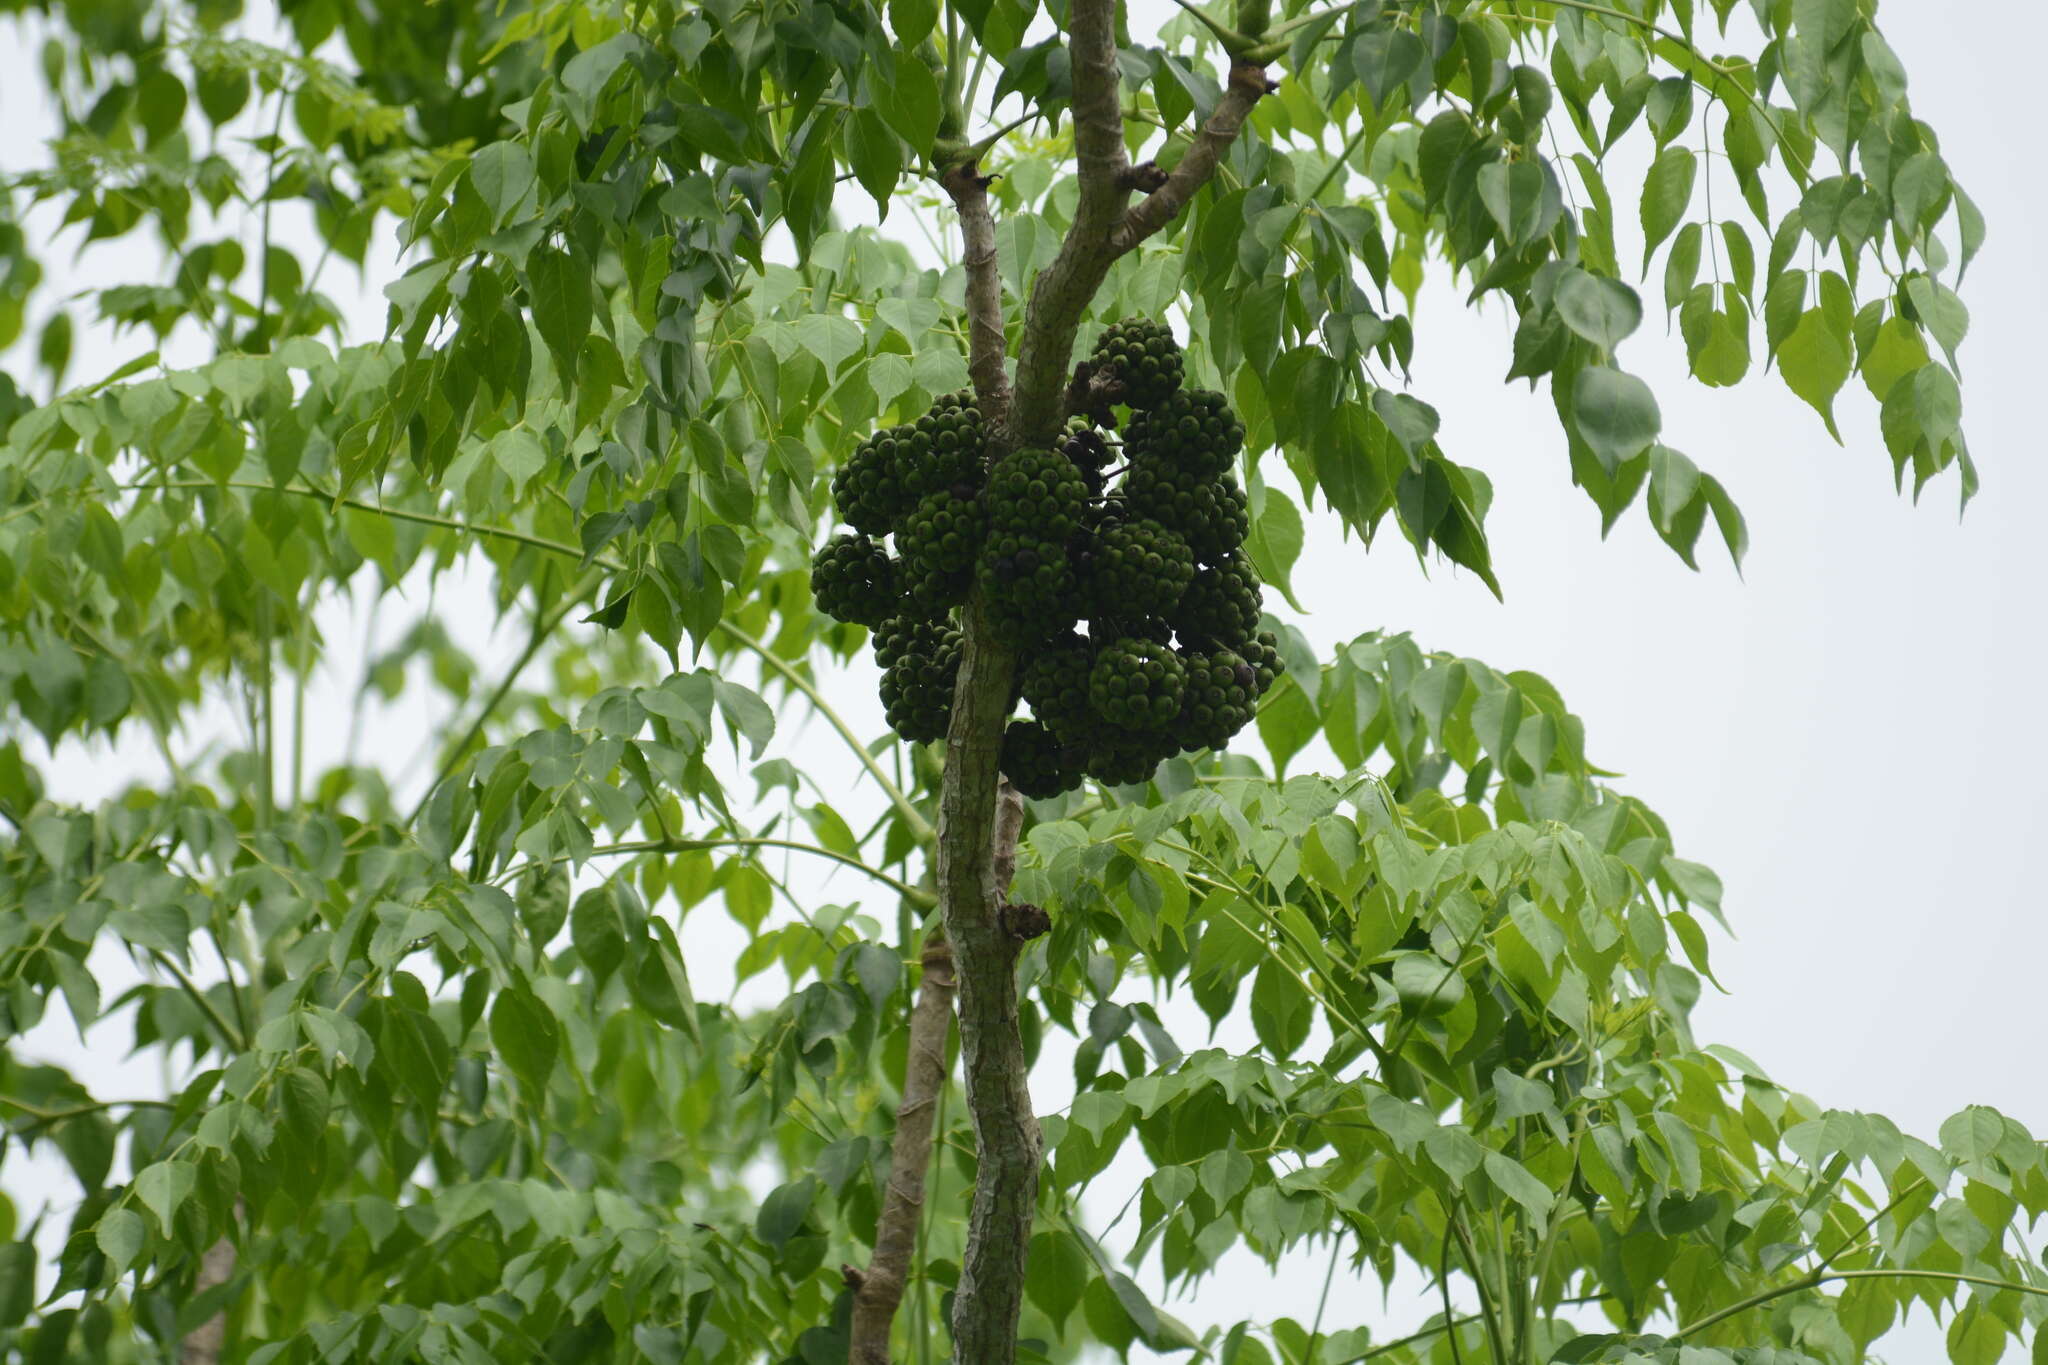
[(442, 1083)]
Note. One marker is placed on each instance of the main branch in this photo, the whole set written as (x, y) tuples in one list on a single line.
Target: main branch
[(987, 935), (1063, 292), (878, 1290)]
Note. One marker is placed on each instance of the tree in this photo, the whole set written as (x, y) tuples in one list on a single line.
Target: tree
[(443, 1089)]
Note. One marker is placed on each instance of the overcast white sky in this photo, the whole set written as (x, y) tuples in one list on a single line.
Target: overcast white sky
[(1849, 734)]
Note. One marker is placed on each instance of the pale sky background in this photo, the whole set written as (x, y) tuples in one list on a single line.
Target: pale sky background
[(1848, 733)]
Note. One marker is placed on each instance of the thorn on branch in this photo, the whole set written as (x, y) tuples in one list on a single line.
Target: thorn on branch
[(1024, 921)]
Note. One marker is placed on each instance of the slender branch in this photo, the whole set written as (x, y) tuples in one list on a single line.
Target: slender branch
[(1448, 1324), (544, 626), (879, 1289), (206, 1007), (263, 237), (42, 1115), (1247, 86), (920, 828), (1443, 1283), (1813, 1281), (1855, 1239), (917, 895), (913, 819), (1487, 1313), (227, 968), (986, 343)]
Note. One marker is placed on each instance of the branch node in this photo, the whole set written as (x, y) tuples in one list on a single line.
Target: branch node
[(1145, 177), (1024, 921), (854, 1276), (1093, 394)]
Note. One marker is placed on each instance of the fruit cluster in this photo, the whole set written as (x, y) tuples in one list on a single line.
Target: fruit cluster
[(1116, 569)]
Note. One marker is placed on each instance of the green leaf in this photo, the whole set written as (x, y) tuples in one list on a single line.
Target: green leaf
[(1941, 313), (527, 1037), (598, 933), (1815, 361), (1615, 415), (560, 290), (1512, 1179), (504, 178), (876, 154), (17, 1282), (1602, 310), (120, 1235), (1667, 192), (909, 103), (912, 20), (1275, 541), (783, 1212), (1897, 350), (1094, 1111), (831, 338), (163, 1187), (586, 74), (1057, 1274), (1427, 983), (1281, 1010)]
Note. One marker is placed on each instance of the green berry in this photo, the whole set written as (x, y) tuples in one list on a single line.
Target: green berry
[(1137, 569), (1054, 680), (1263, 656), (871, 488), (908, 634), (952, 447), (1137, 684), (1039, 492), (1221, 604), (1209, 513), (1124, 758), (937, 546), (1218, 701), (1194, 430), (917, 681), (854, 580), (1038, 763), (1143, 357)]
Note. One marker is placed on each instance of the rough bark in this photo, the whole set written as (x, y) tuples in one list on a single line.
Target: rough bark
[(986, 343), (1248, 84), (204, 1344), (1064, 289), (1007, 1145), (879, 1289)]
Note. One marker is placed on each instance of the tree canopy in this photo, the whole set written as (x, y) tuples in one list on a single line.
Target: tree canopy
[(440, 1087)]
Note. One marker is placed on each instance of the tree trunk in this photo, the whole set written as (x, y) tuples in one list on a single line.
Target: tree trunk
[(1007, 1145)]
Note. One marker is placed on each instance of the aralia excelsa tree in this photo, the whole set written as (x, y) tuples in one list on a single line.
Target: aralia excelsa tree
[(443, 1090)]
